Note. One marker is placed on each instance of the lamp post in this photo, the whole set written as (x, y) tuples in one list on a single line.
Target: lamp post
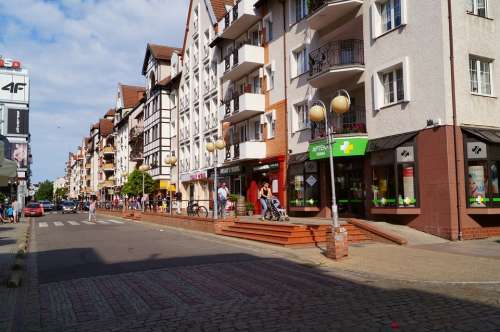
[(214, 147), (143, 168), (318, 113), (170, 161)]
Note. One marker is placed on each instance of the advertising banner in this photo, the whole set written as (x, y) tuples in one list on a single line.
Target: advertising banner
[(14, 87), (19, 153), (477, 186), (17, 121)]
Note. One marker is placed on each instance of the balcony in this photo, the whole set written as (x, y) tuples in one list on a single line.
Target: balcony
[(108, 151), (246, 151), (136, 132), (108, 167), (108, 184), (336, 61), (88, 166), (238, 19), (243, 107), (242, 61), (347, 124), (326, 12)]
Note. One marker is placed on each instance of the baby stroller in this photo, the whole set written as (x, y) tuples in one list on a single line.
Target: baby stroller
[(275, 211)]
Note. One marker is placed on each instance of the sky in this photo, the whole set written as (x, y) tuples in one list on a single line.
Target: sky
[(78, 51)]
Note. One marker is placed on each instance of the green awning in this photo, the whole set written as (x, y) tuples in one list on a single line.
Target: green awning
[(342, 147)]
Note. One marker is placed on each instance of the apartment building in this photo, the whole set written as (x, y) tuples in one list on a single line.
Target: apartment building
[(198, 100), (129, 99), (251, 40), (420, 134), (160, 102)]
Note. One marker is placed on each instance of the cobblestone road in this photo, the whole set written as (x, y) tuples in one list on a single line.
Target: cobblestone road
[(255, 294)]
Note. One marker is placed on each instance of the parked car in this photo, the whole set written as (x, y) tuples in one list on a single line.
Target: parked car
[(68, 207), (33, 209), (47, 206)]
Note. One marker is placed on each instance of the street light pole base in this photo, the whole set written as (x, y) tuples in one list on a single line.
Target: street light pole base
[(337, 245)]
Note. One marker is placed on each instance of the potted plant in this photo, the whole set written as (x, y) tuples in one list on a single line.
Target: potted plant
[(233, 198), (250, 208)]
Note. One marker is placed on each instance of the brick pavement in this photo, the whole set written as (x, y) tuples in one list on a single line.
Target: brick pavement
[(258, 295)]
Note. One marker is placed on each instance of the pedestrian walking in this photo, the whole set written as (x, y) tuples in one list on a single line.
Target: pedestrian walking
[(92, 210), (222, 194), (2, 219), (264, 196), (178, 199), (16, 210)]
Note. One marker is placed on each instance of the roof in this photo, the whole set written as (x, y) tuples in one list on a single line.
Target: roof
[(160, 52), (389, 142), (219, 7), (95, 126), (105, 127), (131, 95), (110, 112), (486, 134)]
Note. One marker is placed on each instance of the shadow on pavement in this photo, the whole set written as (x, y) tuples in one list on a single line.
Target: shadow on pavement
[(238, 292)]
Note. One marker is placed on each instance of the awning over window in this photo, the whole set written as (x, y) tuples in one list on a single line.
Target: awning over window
[(298, 158), (389, 142), (489, 135)]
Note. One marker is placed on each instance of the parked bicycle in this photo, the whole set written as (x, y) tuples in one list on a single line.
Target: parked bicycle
[(194, 209)]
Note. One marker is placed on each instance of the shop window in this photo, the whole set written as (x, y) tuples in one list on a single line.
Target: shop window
[(304, 185), (482, 166), (394, 178)]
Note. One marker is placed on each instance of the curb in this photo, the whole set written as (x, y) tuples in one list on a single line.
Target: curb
[(17, 270)]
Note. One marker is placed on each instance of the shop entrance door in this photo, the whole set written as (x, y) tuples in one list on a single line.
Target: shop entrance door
[(349, 186)]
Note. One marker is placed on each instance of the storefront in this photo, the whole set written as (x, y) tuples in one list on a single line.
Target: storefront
[(482, 162), (195, 186), (309, 185)]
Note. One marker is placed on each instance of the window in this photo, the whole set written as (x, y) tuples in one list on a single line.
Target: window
[(270, 77), (391, 83), (268, 28), (271, 124), (387, 15), (393, 86), (390, 12), (304, 185), (301, 64), (302, 116), (478, 7), (394, 177), (480, 75), (300, 9)]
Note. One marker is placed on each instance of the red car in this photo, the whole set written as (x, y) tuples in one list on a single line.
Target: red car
[(33, 210)]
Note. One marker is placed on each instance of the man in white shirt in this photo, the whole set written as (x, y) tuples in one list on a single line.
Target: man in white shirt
[(16, 209), (222, 195)]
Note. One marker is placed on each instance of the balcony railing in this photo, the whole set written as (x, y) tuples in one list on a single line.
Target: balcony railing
[(243, 60), (336, 54), (108, 150), (136, 132), (108, 167), (352, 122), (238, 19)]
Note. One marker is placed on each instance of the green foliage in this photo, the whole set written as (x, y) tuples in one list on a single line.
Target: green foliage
[(3, 197), (45, 191), (250, 206), (233, 198), (61, 193), (133, 187)]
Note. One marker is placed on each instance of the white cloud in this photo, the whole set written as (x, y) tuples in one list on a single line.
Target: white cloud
[(78, 51)]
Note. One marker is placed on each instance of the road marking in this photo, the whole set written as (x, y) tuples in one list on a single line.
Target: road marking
[(116, 221), (73, 223), (58, 223), (87, 222), (43, 224), (102, 222)]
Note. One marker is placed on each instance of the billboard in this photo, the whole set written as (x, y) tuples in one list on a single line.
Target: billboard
[(14, 86), (17, 122), (19, 154)]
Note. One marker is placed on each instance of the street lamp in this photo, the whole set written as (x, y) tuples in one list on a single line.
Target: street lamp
[(171, 161), (214, 147), (143, 168), (318, 113)]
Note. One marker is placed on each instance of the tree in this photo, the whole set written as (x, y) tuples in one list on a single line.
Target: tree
[(61, 193), (45, 191), (133, 187)]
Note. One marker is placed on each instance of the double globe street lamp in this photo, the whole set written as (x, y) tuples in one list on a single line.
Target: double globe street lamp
[(171, 161), (318, 113), (212, 147)]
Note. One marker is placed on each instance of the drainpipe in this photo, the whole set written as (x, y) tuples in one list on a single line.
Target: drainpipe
[(286, 98), (455, 124)]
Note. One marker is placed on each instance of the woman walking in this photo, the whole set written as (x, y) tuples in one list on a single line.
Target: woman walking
[(264, 196), (92, 211)]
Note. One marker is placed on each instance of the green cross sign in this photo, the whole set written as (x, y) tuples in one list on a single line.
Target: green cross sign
[(342, 147)]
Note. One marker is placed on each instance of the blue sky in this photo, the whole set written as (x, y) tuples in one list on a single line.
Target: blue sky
[(77, 52)]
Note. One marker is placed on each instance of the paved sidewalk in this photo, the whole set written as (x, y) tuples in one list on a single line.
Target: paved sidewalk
[(9, 234)]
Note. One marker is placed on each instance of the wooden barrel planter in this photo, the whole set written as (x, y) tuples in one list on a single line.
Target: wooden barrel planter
[(241, 209)]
